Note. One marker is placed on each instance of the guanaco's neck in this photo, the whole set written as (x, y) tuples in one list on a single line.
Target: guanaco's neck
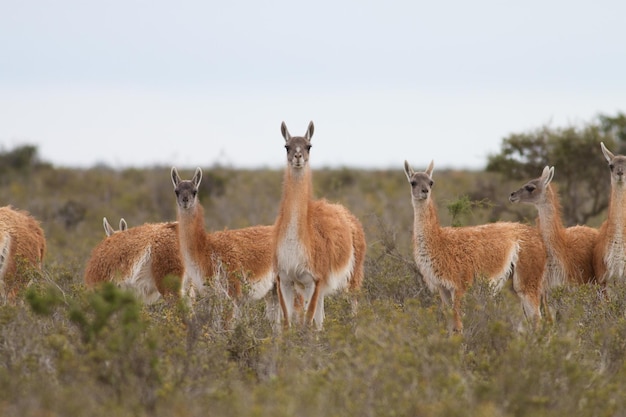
[(193, 237), (297, 194), (426, 227), (617, 209), (550, 221)]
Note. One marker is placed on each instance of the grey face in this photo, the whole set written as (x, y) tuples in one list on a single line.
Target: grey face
[(617, 165), (186, 194), (529, 193), (421, 184), (298, 149), (186, 190), (534, 191)]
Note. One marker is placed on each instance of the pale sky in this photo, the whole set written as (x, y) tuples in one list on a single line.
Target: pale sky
[(194, 83)]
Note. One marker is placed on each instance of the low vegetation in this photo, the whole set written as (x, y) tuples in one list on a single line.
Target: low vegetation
[(68, 351)]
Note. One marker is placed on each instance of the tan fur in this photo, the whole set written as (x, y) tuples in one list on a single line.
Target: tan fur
[(241, 256), (569, 250), (144, 259), (451, 258), (319, 247), (22, 248), (610, 249)]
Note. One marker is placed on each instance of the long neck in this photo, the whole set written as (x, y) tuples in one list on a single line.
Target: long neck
[(426, 227), (617, 209), (294, 206), (192, 235), (551, 223)]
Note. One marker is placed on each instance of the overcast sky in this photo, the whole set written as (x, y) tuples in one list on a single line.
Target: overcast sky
[(197, 82)]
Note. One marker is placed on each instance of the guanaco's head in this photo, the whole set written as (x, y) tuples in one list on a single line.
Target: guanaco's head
[(421, 182), (534, 191), (617, 165), (109, 230), (186, 190), (297, 147)]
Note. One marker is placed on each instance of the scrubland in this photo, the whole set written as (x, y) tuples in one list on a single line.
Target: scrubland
[(66, 351)]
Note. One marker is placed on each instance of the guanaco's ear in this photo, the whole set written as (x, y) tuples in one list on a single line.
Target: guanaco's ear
[(547, 175), (429, 170), (123, 225), (408, 170), (107, 227), (284, 131), (309, 131), (197, 177), (175, 177), (607, 154)]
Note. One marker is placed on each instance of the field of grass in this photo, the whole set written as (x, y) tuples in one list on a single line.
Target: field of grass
[(65, 351)]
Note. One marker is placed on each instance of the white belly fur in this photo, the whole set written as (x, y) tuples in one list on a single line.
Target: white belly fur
[(293, 263), (140, 281), (292, 258)]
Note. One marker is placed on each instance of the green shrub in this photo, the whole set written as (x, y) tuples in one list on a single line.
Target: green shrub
[(65, 350)]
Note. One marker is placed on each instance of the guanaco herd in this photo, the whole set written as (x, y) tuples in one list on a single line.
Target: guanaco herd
[(316, 248)]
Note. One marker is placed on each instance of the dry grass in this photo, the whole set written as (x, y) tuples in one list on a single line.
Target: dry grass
[(66, 351)]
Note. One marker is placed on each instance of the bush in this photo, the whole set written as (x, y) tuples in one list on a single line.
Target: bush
[(65, 350)]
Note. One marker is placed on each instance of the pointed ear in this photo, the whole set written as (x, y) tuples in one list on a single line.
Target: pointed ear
[(309, 131), (123, 225), (284, 131), (107, 227), (175, 177), (197, 177), (547, 175), (429, 170), (408, 170), (607, 154)]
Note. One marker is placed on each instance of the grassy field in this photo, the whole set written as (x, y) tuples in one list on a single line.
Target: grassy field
[(65, 351)]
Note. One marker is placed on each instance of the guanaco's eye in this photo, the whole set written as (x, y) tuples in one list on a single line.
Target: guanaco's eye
[(431, 182), (413, 183), (530, 188), (308, 147), (611, 166)]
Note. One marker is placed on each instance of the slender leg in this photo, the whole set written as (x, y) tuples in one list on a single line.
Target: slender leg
[(318, 316), (451, 301), (532, 309), (354, 304), (273, 309), (545, 304), (456, 300), (446, 297), (310, 295), (286, 295)]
